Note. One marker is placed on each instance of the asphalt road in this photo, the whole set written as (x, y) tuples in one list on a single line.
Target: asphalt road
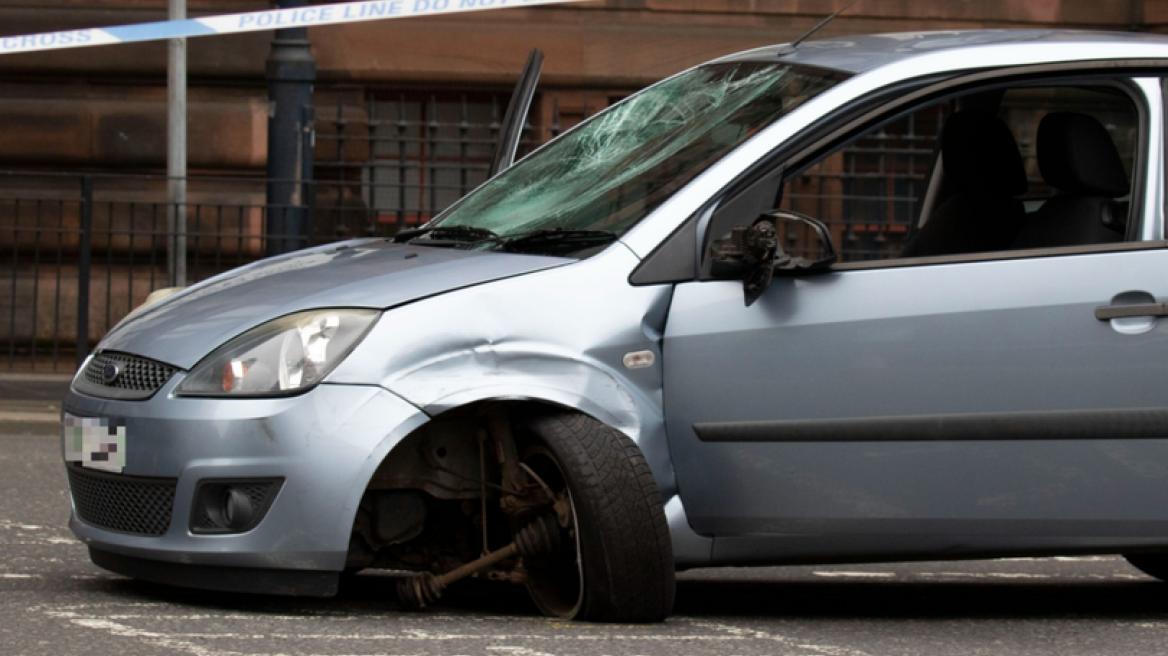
[(54, 602)]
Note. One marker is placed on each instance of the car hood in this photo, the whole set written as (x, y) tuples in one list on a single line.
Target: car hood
[(184, 328)]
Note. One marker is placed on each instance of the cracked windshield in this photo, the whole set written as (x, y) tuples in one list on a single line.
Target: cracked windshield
[(587, 188)]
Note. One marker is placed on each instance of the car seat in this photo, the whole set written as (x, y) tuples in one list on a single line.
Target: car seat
[(982, 166), (1078, 158)]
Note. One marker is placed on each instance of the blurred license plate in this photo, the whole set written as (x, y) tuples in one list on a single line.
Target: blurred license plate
[(95, 442)]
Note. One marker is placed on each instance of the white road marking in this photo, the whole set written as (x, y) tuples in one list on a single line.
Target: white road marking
[(123, 619), (8, 525), (984, 575), (1146, 625), (828, 650), (1086, 559), (519, 651), (411, 636), (1066, 559), (202, 644), (151, 637), (43, 542), (34, 534), (1024, 575), (857, 575)]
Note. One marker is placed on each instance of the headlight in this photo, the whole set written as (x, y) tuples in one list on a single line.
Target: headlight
[(284, 356)]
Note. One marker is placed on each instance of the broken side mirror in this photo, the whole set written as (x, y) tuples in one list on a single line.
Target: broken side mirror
[(756, 252)]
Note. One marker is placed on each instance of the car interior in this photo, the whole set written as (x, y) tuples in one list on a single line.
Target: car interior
[(1023, 168)]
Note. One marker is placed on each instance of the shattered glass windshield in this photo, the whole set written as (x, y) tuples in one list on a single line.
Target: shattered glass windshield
[(590, 186)]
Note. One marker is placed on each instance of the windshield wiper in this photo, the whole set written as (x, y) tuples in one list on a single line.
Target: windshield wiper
[(559, 239), (461, 234), (559, 236)]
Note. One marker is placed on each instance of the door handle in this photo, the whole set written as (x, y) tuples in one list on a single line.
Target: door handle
[(1109, 312)]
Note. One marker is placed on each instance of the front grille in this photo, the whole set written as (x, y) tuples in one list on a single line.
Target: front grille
[(127, 504), (137, 377)]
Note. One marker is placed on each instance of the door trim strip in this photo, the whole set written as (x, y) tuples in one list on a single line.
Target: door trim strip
[(1126, 424)]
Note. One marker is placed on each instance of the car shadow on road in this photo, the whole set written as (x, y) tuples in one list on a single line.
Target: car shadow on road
[(923, 600), (374, 595)]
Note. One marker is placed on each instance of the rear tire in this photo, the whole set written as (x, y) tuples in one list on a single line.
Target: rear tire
[(1152, 564), (627, 556)]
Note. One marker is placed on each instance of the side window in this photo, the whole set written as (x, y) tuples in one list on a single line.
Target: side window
[(869, 191), (1024, 168)]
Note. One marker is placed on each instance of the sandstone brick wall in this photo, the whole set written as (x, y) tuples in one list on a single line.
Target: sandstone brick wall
[(106, 105)]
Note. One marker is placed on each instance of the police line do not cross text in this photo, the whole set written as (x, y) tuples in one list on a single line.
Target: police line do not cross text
[(257, 21)]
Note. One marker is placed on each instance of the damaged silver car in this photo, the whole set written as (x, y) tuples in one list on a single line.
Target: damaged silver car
[(865, 299)]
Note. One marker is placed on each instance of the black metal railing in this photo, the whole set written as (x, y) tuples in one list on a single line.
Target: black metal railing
[(407, 156), (80, 251)]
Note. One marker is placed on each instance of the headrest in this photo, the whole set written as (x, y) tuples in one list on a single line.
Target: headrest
[(981, 156), (1076, 155)]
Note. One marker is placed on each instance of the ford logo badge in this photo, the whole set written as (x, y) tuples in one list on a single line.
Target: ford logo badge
[(110, 373)]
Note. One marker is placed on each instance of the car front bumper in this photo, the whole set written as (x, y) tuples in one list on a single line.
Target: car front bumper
[(325, 444)]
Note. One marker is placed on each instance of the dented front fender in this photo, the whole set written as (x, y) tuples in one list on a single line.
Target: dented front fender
[(558, 336)]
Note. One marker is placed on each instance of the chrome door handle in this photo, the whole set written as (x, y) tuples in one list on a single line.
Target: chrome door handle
[(1109, 312)]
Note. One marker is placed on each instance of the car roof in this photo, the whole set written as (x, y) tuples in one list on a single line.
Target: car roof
[(863, 53)]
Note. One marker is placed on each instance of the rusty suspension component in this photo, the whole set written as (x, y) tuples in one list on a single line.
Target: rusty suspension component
[(539, 538), (499, 423)]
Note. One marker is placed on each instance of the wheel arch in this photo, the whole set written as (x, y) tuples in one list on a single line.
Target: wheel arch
[(620, 409), (542, 374), (649, 438), (519, 403)]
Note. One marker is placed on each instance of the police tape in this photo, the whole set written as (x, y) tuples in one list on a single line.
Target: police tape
[(256, 21)]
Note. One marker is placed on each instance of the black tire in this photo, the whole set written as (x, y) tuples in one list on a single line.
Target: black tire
[(627, 556), (1152, 564)]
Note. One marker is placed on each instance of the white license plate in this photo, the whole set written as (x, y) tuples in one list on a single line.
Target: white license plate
[(95, 442)]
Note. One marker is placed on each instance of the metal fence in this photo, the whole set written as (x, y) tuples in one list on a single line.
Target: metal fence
[(402, 158), (79, 251)]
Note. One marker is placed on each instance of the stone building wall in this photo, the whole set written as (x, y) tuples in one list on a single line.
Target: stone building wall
[(104, 107)]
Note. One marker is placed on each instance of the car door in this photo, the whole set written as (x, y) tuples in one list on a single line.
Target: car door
[(956, 405)]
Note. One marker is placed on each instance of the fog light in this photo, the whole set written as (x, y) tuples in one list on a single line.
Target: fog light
[(237, 509), (231, 506)]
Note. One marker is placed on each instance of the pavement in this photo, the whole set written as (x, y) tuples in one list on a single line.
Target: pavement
[(31, 398), (53, 601)]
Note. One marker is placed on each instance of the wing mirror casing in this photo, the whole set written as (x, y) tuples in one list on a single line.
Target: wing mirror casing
[(755, 253)]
